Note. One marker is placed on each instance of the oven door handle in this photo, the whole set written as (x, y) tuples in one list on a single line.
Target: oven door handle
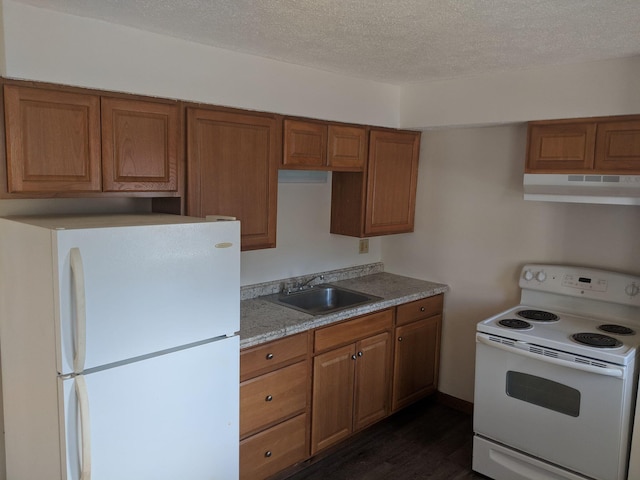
[(617, 372)]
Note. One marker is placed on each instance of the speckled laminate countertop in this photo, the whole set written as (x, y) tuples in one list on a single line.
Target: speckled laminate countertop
[(262, 321)]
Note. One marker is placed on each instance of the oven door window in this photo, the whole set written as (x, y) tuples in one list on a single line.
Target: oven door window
[(544, 393)]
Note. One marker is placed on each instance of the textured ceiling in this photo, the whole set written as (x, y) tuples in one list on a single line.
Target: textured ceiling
[(393, 41)]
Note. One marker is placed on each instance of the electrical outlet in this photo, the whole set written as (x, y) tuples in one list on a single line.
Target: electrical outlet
[(364, 245)]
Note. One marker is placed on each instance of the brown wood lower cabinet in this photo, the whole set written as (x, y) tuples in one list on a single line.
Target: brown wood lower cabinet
[(415, 365), (417, 350), (363, 369), (351, 382), (372, 380), (268, 452), (274, 401), (332, 411), (267, 399)]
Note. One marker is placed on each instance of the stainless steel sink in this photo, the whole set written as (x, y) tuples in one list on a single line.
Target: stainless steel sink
[(323, 299)]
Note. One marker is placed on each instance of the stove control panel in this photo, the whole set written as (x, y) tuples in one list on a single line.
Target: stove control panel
[(584, 282), (589, 283)]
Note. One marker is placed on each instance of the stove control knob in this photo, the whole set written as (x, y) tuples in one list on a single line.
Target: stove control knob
[(632, 289), (528, 275), (541, 276)]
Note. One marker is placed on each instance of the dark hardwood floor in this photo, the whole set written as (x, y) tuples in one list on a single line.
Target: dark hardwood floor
[(425, 441)]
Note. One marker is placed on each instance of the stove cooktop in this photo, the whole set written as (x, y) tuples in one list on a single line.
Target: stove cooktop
[(600, 339)]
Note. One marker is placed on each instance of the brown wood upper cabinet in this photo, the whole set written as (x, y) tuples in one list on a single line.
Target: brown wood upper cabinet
[(589, 145), (320, 146), (61, 141), (382, 200), (232, 160), (53, 140), (140, 144)]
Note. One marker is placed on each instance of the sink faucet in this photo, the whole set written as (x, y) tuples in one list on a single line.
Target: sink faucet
[(299, 286)]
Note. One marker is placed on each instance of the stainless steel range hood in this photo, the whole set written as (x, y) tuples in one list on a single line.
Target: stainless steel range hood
[(607, 189)]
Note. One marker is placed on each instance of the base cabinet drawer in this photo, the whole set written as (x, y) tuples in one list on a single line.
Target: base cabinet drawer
[(274, 449), (265, 358), (272, 397)]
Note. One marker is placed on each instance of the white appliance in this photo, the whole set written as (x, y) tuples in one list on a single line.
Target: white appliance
[(580, 188), (120, 358), (556, 377)]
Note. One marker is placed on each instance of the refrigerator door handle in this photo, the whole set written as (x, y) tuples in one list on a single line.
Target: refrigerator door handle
[(77, 272), (85, 428)]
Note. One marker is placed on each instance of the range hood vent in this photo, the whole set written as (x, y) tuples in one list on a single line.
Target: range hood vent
[(607, 189)]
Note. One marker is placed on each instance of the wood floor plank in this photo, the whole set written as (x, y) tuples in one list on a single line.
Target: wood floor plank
[(427, 440)]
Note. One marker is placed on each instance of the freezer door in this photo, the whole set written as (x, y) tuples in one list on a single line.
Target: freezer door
[(144, 289), (164, 418)]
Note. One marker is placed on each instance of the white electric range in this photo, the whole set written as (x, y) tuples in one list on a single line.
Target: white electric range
[(556, 377)]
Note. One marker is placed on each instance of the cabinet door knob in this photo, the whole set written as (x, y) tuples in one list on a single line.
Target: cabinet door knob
[(399, 339), (359, 354), (268, 398), (269, 356), (267, 453), (422, 309), (353, 357)]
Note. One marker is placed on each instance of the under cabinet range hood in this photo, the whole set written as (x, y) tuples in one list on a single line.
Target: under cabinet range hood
[(606, 189)]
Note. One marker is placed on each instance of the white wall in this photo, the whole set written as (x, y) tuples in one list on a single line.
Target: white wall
[(474, 232), (50, 46), (607, 87), (304, 244)]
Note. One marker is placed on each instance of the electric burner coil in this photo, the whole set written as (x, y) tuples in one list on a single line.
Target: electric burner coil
[(515, 323), (616, 329), (538, 315), (597, 340)]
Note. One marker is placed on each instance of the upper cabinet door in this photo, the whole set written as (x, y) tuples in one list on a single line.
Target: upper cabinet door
[(305, 144), (347, 149), (140, 141), (392, 179), (618, 147), (315, 145), (561, 147), (232, 160), (53, 140)]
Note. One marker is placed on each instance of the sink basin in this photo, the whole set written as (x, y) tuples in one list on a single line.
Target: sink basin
[(323, 299)]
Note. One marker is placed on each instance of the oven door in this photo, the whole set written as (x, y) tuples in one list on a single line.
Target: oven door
[(572, 414)]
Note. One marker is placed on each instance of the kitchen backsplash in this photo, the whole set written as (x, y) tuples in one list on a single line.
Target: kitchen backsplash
[(267, 288)]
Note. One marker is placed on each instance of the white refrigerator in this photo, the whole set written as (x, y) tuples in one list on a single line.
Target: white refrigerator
[(119, 347)]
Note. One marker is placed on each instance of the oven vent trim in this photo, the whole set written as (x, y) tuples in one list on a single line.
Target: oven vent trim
[(504, 341), (553, 354), (543, 351), (586, 361)]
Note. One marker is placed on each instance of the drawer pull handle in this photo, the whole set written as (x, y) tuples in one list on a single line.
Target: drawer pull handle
[(399, 339), (268, 398), (359, 354), (267, 453), (353, 357), (422, 309), (269, 356)]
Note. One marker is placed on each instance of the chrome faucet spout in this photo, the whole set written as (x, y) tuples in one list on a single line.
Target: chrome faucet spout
[(299, 286), (306, 284)]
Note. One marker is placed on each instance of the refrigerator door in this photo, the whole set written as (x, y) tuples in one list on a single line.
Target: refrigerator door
[(144, 289), (163, 418)]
